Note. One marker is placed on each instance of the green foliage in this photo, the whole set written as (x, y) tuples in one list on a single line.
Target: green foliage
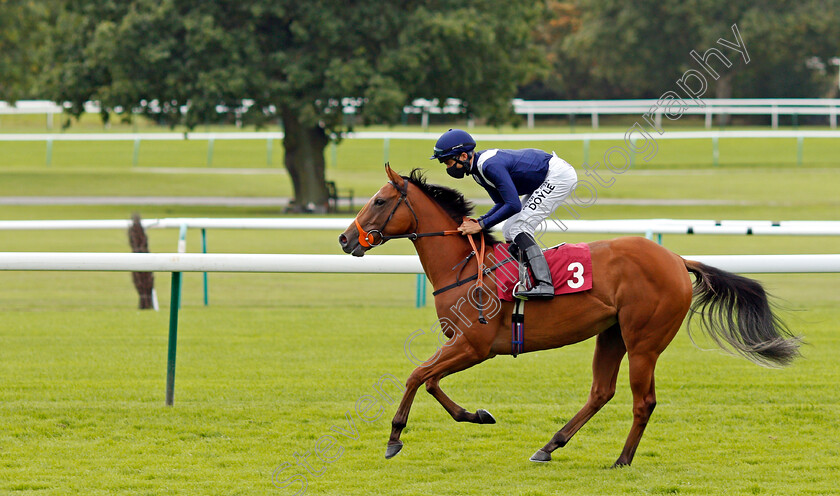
[(22, 31), (150, 56), (160, 56), (191, 61), (612, 49), (787, 38)]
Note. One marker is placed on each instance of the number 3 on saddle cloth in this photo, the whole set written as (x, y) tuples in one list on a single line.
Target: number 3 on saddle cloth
[(571, 271), (570, 265)]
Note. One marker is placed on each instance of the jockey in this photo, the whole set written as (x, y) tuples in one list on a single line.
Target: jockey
[(543, 178)]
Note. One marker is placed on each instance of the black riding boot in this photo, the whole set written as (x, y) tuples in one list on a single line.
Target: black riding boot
[(533, 257)]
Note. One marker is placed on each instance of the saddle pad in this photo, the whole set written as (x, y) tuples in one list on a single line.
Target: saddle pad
[(571, 269)]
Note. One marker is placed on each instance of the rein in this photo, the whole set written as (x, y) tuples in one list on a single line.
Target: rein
[(368, 240), (480, 277)]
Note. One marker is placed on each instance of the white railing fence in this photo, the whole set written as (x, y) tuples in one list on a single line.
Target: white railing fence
[(773, 107), (390, 264), (344, 264), (632, 135), (650, 228), (613, 226)]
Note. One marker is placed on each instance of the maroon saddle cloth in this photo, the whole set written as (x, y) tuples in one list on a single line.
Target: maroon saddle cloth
[(571, 269)]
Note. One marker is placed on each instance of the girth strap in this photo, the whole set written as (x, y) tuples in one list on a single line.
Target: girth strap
[(517, 339), (472, 277)]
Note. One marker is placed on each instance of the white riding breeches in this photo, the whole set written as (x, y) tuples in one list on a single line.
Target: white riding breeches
[(539, 205)]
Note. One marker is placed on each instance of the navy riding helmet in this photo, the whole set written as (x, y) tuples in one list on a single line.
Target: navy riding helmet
[(451, 144)]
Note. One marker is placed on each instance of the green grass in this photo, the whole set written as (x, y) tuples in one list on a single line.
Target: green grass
[(259, 380), (182, 167), (356, 153), (112, 182), (277, 360)]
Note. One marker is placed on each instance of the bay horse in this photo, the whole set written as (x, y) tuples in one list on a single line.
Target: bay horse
[(640, 295)]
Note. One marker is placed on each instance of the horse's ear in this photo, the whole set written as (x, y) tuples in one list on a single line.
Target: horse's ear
[(395, 178)]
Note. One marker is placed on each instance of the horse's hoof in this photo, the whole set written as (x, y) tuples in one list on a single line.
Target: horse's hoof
[(541, 457), (393, 449), (484, 417)]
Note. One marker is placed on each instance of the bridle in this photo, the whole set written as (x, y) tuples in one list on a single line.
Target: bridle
[(367, 239)]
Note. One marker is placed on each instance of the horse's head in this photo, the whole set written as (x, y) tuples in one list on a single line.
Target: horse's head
[(387, 213)]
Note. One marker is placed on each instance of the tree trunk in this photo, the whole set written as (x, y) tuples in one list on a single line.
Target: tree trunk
[(723, 89), (304, 158)]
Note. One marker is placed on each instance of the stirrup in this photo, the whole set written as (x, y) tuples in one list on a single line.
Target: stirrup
[(518, 289), (523, 283), (541, 290)]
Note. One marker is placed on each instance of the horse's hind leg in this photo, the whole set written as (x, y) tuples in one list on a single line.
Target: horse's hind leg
[(644, 401), (609, 350), (644, 345)]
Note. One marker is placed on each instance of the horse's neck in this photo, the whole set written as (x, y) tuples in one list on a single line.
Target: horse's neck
[(439, 254)]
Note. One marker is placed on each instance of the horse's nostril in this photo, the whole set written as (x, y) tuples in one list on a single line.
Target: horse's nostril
[(342, 240)]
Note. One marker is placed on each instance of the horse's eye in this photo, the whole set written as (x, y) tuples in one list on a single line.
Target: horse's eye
[(379, 202)]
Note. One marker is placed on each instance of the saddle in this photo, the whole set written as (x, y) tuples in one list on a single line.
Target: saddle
[(570, 265), (571, 271)]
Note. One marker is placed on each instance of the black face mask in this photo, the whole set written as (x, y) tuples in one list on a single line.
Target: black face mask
[(455, 172)]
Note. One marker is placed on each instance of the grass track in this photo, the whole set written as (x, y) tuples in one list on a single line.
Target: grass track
[(260, 380)]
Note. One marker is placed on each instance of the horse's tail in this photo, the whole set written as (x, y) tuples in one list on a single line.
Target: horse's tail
[(735, 311)]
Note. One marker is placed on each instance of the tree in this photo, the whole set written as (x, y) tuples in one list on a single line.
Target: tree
[(21, 29), (616, 49), (184, 60), (785, 39)]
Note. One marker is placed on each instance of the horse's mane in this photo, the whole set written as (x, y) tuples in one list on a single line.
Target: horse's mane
[(452, 201)]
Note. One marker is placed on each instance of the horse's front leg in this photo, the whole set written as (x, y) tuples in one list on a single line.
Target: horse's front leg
[(455, 356), (458, 413), (401, 417)]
